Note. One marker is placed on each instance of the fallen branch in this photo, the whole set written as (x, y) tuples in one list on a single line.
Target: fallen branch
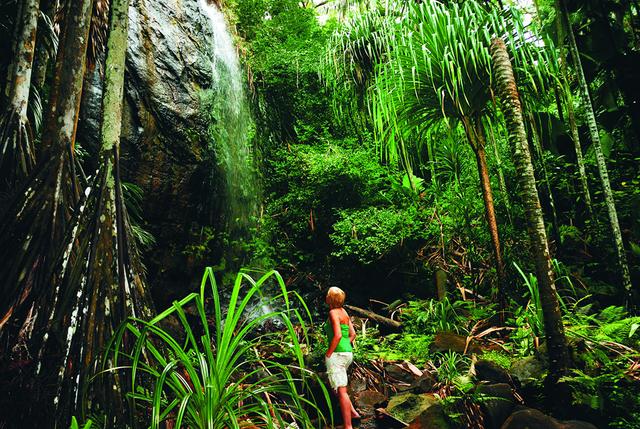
[(384, 321)]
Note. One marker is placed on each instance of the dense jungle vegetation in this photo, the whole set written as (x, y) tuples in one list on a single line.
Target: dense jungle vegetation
[(467, 171)]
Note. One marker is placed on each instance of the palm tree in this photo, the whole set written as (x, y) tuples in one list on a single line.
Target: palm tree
[(17, 156), (437, 71), (505, 83), (600, 159)]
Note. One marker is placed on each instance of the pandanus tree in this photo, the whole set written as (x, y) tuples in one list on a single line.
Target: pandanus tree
[(594, 134), (17, 156), (101, 277), (94, 272), (439, 71), (35, 220)]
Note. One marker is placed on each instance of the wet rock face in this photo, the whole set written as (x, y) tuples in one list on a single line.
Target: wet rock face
[(165, 138), (168, 65), (165, 130)]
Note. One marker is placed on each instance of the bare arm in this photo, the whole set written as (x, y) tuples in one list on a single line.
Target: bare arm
[(337, 332), (352, 333)]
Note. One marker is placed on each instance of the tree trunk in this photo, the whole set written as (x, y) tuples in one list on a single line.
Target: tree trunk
[(537, 144), (64, 101), (17, 156), (501, 182), (571, 116), (601, 162), (508, 94), (475, 135)]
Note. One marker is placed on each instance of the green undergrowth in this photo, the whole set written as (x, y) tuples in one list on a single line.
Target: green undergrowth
[(209, 362)]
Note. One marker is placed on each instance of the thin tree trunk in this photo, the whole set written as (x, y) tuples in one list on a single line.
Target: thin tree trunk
[(8, 85), (571, 116), (600, 159), (17, 156), (537, 144), (475, 135), (512, 109), (43, 52), (64, 101), (502, 183)]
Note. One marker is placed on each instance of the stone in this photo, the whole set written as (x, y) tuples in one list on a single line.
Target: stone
[(487, 370), (407, 406), (164, 133), (528, 369), (399, 373), (433, 417), (368, 400), (449, 341), (497, 404), (530, 418), (424, 384)]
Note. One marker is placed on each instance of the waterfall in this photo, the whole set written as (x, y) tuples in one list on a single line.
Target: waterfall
[(231, 131)]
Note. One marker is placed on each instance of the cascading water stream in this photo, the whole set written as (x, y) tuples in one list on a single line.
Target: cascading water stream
[(232, 144), (231, 132)]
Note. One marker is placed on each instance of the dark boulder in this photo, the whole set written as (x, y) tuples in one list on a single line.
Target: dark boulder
[(487, 370), (529, 418), (433, 417), (497, 404)]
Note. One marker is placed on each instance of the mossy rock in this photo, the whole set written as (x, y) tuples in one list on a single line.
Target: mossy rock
[(408, 406)]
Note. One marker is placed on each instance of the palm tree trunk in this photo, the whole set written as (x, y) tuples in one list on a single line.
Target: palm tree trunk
[(508, 92), (571, 116), (475, 135), (600, 160), (17, 156)]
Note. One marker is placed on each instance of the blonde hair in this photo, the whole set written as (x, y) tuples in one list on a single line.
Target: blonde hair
[(335, 297)]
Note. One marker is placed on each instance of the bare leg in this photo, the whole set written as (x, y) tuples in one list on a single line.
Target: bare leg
[(354, 413), (345, 406)]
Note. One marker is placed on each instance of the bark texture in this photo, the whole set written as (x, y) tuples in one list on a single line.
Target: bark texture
[(508, 93), (625, 276), (64, 103), (475, 136), (17, 157)]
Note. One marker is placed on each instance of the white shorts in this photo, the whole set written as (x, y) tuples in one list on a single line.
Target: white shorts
[(337, 366)]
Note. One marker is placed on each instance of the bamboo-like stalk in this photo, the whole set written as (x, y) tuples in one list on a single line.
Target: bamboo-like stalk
[(601, 162), (571, 116)]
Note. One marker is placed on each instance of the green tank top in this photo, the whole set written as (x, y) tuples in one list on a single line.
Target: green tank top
[(344, 345)]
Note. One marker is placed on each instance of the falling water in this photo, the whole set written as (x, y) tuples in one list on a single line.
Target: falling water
[(231, 131)]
